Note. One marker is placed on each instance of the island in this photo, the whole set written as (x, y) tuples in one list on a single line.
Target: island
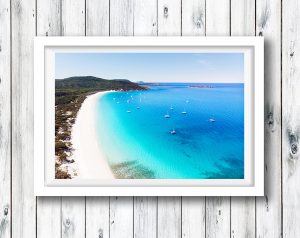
[(70, 93)]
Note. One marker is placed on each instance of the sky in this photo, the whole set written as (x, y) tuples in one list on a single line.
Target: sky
[(153, 67)]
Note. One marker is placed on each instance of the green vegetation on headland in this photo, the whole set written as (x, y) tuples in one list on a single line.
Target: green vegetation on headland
[(69, 95)]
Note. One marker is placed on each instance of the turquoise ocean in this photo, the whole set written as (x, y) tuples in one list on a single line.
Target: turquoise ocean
[(207, 142)]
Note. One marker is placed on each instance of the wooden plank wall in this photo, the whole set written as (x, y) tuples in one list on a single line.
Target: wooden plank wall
[(274, 215)]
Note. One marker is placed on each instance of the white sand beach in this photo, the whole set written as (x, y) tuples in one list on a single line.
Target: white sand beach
[(89, 160)]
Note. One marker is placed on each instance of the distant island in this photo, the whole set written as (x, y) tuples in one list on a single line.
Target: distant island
[(201, 86), (69, 95)]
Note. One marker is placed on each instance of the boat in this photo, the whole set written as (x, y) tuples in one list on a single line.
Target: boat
[(211, 120), (184, 112), (137, 107), (171, 108), (118, 102), (128, 111), (167, 115), (173, 132)]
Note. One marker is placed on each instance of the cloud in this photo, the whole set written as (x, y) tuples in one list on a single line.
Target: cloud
[(205, 63)]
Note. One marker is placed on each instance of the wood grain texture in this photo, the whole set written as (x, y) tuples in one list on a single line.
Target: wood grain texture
[(169, 17), (242, 208), (97, 208), (290, 117), (48, 222), (193, 217), (145, 217), (217, 18), (145, 208), (121, 217), (5, 120), (218, 208), (73, 209), (97, 17), (97, 217), (48, 23), (169, 217), (73, 217), (193, 17), (121, 17), (268, 208), (145, 17), (193, 208), (73, 17), (23, 201)]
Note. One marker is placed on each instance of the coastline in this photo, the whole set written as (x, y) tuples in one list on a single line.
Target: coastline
[(89, 161)]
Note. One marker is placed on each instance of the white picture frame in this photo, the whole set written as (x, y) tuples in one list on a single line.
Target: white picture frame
[(46, 185)]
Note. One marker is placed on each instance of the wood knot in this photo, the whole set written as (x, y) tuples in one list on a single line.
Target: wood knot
[(67, 223), (260, 33), (294, 148), (292, 54), (6, 210), (100, 231), (270, 120), (293, 140), (166, 12)]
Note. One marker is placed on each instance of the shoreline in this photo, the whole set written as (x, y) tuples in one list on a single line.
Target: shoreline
[(89, 161)]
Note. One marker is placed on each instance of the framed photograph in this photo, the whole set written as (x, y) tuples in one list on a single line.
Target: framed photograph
[(149, 116)]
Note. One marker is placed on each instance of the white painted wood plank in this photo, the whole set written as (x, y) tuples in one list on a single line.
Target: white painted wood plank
[(73, 217), (5, 120), (145, 208), (193, 217), (217, 17), (145, 217), (218, 208), (121, 208), (242, 208), (121, 17), (169, 208), (97, 208), (242, 217), (169, 217), (97, 17), (48, 208), (290, 117), (268, 208), (169, 17), (193, 208), (49, 18), (97, 217), (242, 17), (145, 17), (48, 217), (193, 17), (121, 217), (73, 209), (73, 17), (23, 200), (217, 217)]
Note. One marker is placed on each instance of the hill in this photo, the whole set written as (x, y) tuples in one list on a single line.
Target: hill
[(69, 95)]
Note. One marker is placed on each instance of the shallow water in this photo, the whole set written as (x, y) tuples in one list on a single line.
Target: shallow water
[(136, 140)]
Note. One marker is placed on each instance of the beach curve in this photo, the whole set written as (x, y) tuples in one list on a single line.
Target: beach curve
[(87, 155)]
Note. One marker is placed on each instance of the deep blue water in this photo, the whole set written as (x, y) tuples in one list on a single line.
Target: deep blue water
[(138, 144)]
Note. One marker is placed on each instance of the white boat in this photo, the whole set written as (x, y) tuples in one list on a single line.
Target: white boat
[(128, 111), (173, 132), (171, 108), (137, 107), (167, 115), (184, 112), (211, 120)]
